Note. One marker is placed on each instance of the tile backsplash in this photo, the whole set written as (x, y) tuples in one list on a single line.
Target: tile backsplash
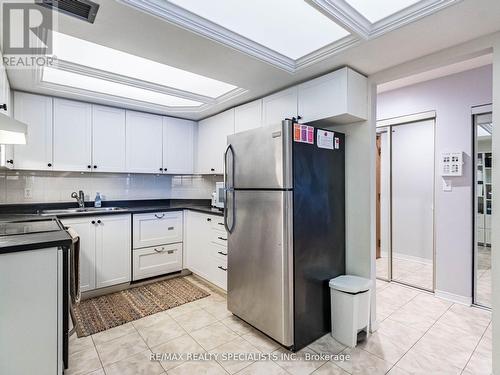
[(45, 187)]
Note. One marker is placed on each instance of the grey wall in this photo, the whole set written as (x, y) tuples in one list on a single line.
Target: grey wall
[(452, 98)]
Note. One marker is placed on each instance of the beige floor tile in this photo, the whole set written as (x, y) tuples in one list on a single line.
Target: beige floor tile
[(261, 342), (121, 348), (138, 364), (363, 363), (381, 284), (399, 333), (481, 361), (183, 309), (198, 367), (263, 367), (235, 348), (383, 347), (184, 345), (327, 345), (214, 335), (83, 362), (196, 319), (301, 366), (113, 333), (208, 300), (218, 309), (237, 325), (329, 368), (151, 319), (472, 319), (397, 371), (77, 344), (161, 332), (97, 372), (421, 363)]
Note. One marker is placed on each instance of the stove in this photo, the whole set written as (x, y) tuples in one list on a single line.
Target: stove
[(19, 227)]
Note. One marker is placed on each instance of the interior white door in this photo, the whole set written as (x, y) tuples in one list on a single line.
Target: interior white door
[(108, 139), (412, 202), (144, 133), (36, 112), (86, 231), (72, 135), (113, 250), (178, 145), (279, 106)]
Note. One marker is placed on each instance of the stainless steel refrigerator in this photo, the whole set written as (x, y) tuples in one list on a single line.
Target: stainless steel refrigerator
[(285, 217)]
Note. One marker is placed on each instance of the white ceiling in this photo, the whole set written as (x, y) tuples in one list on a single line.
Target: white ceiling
[(127, 29)]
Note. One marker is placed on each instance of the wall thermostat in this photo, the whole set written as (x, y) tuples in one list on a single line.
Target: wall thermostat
[(452, 163)]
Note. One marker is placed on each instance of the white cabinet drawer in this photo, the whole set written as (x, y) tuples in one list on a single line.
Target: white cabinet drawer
[(159, 228), (219, 237), (157, 260), (217, 222), (219, 273), (218, 251)]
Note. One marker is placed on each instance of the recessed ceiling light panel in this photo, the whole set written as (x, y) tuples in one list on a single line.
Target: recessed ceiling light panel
[(97, 85), (290, 27), (376, 10), (88, 54)]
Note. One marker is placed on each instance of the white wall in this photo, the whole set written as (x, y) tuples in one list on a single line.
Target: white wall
[(47, 187), (452, 98)]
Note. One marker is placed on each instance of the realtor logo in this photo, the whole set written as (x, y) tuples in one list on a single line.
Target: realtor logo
[(26, 29)]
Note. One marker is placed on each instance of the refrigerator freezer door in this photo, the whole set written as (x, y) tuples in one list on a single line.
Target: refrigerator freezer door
[(260, 262), (261, 157)]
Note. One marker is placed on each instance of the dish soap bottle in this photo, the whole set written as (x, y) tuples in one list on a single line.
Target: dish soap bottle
[(97, 202)]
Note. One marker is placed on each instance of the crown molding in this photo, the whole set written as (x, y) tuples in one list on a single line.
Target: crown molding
[(348, 17)]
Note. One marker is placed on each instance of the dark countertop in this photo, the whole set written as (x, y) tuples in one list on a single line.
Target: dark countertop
[(27, 212)]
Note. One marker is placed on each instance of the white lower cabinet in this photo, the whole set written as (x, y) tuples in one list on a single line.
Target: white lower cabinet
[(105, 249), (206, 248), (157, 244), (157, 260)]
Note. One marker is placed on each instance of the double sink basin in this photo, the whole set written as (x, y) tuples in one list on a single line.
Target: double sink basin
[(76, 211)]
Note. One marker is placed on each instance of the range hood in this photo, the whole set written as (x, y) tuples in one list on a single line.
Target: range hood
[(12, 132)]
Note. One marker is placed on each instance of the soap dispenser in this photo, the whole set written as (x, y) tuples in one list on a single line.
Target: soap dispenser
[(97, 202)]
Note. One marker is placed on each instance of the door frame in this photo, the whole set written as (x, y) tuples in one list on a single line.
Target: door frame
[(387, 125)]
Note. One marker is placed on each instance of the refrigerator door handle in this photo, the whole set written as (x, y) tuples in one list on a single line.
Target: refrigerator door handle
[(227, 188)]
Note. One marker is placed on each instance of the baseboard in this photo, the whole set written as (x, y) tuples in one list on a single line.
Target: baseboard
[(453, 297), (402, 256)]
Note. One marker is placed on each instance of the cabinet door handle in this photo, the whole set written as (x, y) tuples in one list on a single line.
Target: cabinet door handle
[(170, 251), (159, 250), (49, 164), (221, 224), (10, 161), (222, 238), (161, 169), (170, 228), (93, 221), (221, 253), (159, 217), (222, 268), (95, 166), (208, 219), (98, 221), (212, 169)]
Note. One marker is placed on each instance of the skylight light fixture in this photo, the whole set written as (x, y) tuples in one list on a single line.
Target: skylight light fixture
[(88, 54), (290, 27), (376, 10), (79, 81)]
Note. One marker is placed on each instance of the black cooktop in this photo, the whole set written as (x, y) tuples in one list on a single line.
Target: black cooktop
[(11, 228)]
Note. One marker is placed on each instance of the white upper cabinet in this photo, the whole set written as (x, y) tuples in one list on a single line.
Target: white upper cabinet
[(36, 112), (279, 106), (72, 135), (339, 97), (212, 141), (178, 145), (248, 116), (108, 139), (144, 142)]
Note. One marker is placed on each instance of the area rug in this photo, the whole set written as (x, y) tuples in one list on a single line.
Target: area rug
[(101, 313)]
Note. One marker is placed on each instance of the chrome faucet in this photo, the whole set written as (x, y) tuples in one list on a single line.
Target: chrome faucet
[(80, 198)]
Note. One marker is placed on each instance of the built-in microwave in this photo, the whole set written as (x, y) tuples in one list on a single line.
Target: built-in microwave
[(219, 195)]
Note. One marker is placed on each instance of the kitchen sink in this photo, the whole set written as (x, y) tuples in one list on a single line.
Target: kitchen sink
[(73, 211)]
